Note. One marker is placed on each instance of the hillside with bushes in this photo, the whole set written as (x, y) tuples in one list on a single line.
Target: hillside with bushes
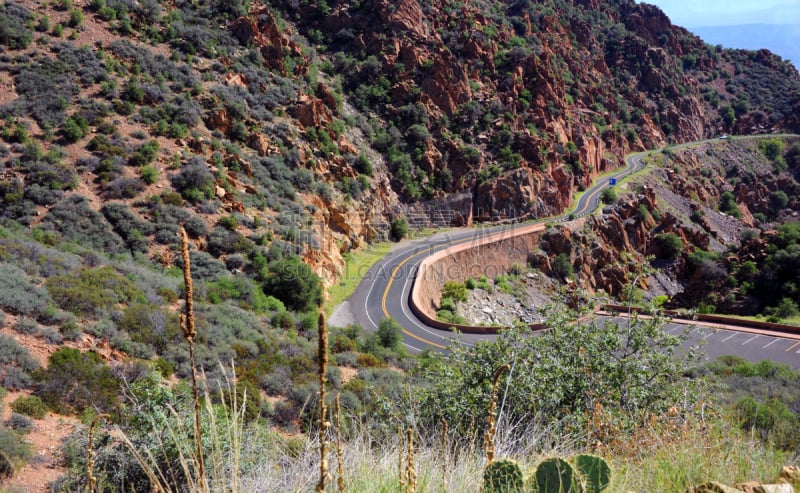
[(285, 137)]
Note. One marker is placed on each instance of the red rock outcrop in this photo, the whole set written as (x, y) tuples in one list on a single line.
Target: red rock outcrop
[(260, 29)]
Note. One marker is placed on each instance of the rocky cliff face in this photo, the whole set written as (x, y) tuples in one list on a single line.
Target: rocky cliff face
[(516, 105), (547, 95)]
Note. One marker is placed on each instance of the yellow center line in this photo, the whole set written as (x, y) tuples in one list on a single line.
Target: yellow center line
[(394, 275), (793, 346), (431, 250)]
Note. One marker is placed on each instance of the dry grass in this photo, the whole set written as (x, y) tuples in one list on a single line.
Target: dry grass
[(668, 455)]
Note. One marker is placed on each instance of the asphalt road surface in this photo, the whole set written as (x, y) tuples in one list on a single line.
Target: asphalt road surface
[(384, 290)]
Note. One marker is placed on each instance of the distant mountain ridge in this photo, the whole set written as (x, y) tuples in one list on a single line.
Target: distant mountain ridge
[(781, 39)]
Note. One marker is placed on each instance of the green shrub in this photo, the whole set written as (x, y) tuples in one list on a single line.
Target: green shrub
[(75, 220), (150, 325), (641, 382), (398, 229), (670, 245), (228, 222), (195, 182), (363, 166), (15, 451), (728, 205), (456, 291), (447, 304), (74, 381), (772, 148), (778, 200), (75, 128), (294, 283), (609, 196), (14, 21), (20, 423), (16, 364), (562, 266), (164, 367), (90, 291), (76, 18), (18, 295), (148, 174), (29, 405)]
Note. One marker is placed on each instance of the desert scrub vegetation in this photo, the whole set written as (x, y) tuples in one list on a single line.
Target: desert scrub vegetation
[(680, 451), (567, 370), (16, 364), (763, 398)]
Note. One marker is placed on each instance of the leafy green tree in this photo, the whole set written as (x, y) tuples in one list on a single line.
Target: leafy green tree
[(630, 368), (398, 229), (390, 334), (294, 283), (609, 196)]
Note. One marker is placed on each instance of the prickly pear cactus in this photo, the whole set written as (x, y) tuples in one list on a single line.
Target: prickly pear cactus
[(594, 471), (556, 476), (503, 476)]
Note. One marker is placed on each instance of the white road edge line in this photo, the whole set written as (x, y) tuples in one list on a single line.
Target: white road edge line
[(425, 329)]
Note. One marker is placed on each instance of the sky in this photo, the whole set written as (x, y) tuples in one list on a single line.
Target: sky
[(692, 13), (771, 24)]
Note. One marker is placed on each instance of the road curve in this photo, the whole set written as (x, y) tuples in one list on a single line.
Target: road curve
[(385, 288)]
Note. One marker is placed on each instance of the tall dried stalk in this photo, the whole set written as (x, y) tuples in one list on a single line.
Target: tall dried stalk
[(400, 448), (323, 423), (91, 480), (190, 334), (492, 415), (445, 453), (339, 456), (411, 472)]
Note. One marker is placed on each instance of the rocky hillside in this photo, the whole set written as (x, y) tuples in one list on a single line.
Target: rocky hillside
[(718, 223), (282, 135), (522, 102), (309, 122)]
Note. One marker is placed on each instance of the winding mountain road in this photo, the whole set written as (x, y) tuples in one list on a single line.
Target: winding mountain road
[(385, 288)]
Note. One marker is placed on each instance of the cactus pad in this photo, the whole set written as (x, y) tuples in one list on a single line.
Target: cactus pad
[(556, 476), (595, 472), (503, 476)]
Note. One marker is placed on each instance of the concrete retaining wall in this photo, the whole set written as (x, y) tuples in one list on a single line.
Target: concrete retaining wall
[(490, 256)]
